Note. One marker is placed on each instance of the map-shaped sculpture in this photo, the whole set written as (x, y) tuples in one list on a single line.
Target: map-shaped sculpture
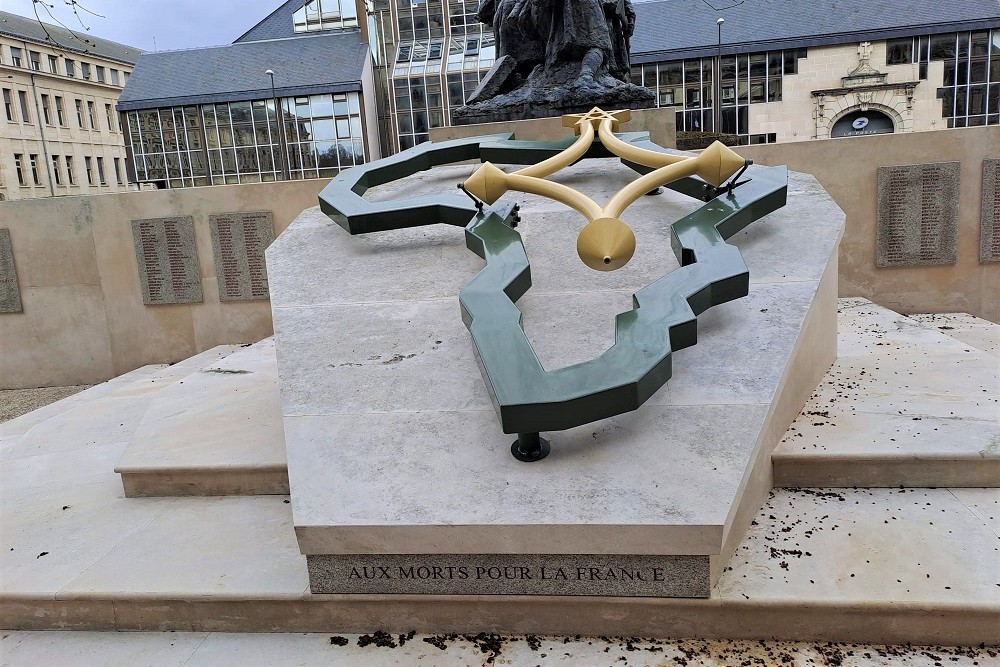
[(529, 399)]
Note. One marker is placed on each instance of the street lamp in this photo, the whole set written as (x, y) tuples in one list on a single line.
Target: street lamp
[(279, 114), (717, 106)]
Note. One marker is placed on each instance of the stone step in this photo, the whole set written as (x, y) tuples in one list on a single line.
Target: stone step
[(85, 434), (904, 405), (866, 565), (977, 332), (20, 425), (218, 431)]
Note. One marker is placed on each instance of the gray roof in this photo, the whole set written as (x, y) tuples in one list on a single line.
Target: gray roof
[(306, 65), (277, 25), (79, 41), (674, 29)]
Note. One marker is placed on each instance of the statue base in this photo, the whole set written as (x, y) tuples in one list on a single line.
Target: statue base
[(554, 92)]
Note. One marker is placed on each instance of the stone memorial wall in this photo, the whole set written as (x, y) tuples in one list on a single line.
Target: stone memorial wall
[(167, 256), (238, 242), (917, 215), (989, 233), (10, 290)]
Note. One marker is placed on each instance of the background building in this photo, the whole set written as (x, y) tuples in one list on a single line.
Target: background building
[(212, 116), (357, 79), (59, 133), (790, 71)]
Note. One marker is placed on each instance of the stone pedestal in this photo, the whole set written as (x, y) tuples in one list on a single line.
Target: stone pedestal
[(401, 478)]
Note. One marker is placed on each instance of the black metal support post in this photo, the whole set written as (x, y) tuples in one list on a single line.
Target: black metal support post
[(530, 447)]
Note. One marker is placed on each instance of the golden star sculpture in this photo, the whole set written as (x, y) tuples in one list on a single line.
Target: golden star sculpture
[(605, 243)]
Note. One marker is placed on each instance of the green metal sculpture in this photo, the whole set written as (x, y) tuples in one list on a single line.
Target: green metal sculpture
[(529, 399)]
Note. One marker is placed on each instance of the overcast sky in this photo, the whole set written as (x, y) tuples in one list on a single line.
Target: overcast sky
[(159, 24)]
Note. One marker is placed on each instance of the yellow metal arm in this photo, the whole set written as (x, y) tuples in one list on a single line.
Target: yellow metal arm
[(605, 243)]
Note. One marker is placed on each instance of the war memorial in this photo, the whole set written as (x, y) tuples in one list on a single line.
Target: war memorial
[(588, 385)]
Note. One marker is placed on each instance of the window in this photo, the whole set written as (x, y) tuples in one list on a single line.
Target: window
[(326, 15), (115, 80), (79, 114), (107, 113), (60, 116), (46, 111), (100, 171), (70, 178), (53, 62), (100, 74), (15, 57), (23, 98), (33, 160), (56, 174), (8, 104), (125, 77), (92, 115), (35, 58), (85, 70), (970, 95), (118, 171), (88, 163), (19, 167), (70, 68)]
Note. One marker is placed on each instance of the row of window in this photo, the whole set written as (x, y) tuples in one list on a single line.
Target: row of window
[(88, 71), (247, 142), (54, 113), (60, 166), (688, 86), (970, 95)]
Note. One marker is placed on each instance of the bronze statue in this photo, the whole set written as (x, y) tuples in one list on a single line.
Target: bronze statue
[(554, 56)]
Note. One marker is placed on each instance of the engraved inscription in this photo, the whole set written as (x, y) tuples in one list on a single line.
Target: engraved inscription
[(510, 574), (168, 260), (989, 231), (10, 289), (239, 241), (917, 215)]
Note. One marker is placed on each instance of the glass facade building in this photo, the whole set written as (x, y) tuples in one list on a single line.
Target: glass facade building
[(247, 141)]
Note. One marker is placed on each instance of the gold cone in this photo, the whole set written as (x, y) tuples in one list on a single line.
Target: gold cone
[(488, 183), (717, 163), (606, 244)]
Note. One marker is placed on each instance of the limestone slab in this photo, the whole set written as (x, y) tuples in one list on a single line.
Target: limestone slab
[(10, 288), (989, 233), (254, 532), (219, 649), (22, 424), (219, 423), (238, 244), (381, 391), (167, 258), (906, 545), (979, 333), (52, 535), (906, 404), (101, 649), (917, 221), (656, 481)]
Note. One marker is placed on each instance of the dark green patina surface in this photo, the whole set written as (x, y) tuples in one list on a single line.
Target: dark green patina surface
[(529, 399)]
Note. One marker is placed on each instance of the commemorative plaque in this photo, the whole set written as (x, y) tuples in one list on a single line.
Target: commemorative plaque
[(167, 256), (10, 290), (239, 241), (989, 232), (917, 215)]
